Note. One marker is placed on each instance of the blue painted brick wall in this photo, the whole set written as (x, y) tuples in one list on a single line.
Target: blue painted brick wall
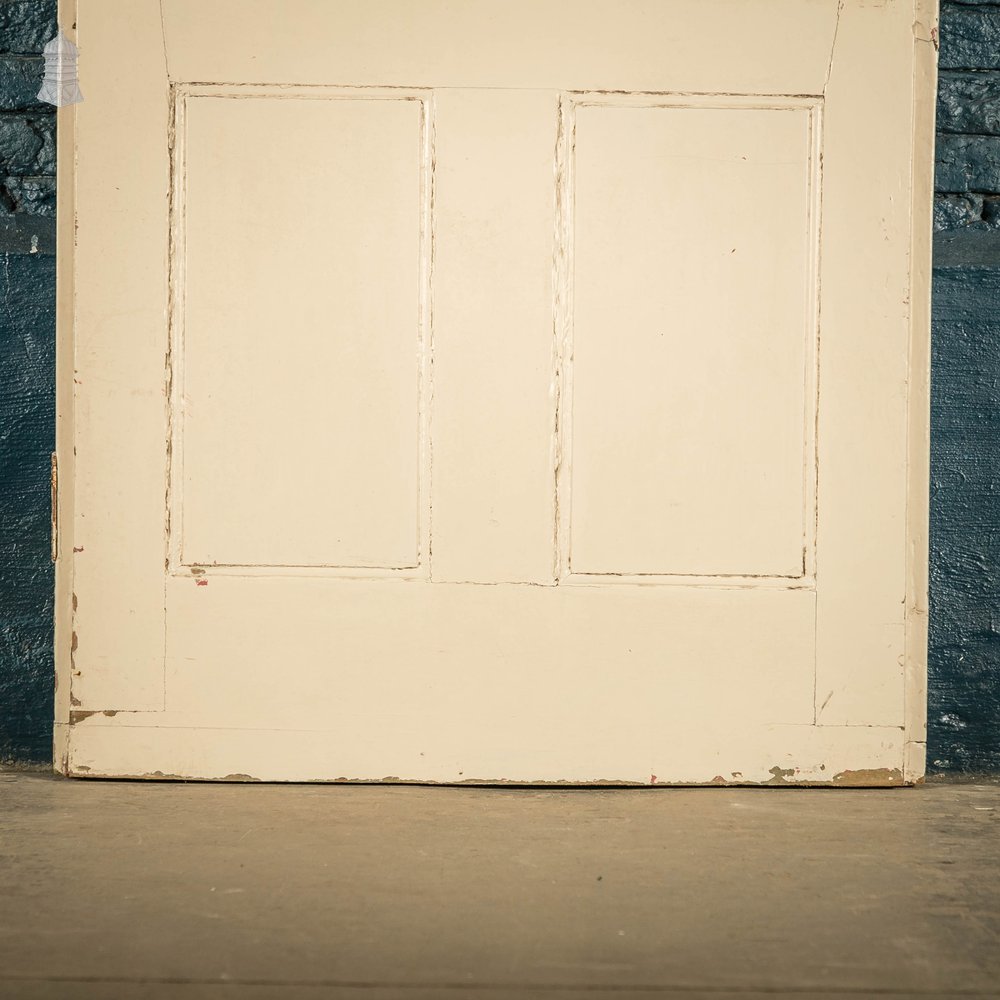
[(964, 655), (27, 376), (965, 499)]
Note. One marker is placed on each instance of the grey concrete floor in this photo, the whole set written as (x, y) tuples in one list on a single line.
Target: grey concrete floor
[(157, 890)]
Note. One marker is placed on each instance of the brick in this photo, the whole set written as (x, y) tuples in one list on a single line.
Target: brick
[(953, 211), (28, 195), (27, 234), (20, 145), (20, 78), (26, 25), (970, 36), (960, 211), (45, 125), (967, 163), (969, 102)]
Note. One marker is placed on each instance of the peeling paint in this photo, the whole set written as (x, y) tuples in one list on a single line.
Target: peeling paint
[(923, 32), (558, 389), (781, 775), (874, 778), (878, 777), (53, 507), (79, 716), (74, 642)]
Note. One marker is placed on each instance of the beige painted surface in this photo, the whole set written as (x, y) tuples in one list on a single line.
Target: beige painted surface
[(117, 430), (493, 410), (694, 331), (511, 392), (302, 314)]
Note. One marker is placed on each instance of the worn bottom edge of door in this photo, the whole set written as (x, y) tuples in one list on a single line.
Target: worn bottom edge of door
[(780, 755)]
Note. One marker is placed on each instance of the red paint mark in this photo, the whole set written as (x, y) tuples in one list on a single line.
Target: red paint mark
[(77, 548), (201, 583), (652, 779)]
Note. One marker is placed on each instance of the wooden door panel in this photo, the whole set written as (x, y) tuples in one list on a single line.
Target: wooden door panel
[(113, 294), (297, 432), (493, 484), (565, 423), (496, 682), (872, 416), (774, 755), (722, 46), (693, 374)]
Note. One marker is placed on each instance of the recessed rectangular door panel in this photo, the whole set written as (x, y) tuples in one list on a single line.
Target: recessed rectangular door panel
[(297, 390), (693, 331), (486, 392)]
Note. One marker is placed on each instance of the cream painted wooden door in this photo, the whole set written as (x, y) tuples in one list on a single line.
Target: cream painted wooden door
[(498, 390)]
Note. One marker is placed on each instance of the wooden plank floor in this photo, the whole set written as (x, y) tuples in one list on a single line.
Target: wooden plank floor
[(155, 890)]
